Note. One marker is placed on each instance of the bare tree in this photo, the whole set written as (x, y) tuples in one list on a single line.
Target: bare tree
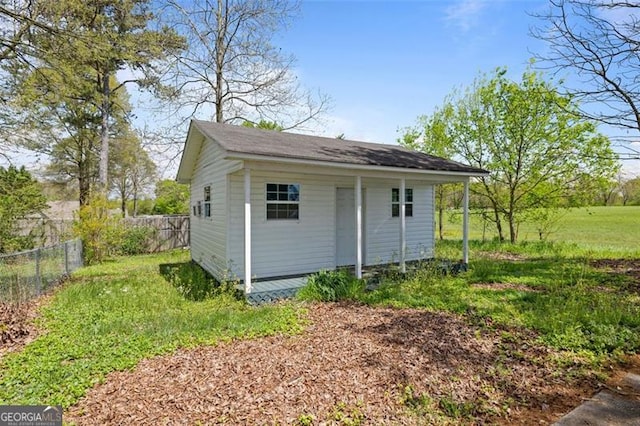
[(598, 43), (232, 70)]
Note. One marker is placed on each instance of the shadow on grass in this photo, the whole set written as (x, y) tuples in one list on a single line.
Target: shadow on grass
[(194, 283), (168, 270)]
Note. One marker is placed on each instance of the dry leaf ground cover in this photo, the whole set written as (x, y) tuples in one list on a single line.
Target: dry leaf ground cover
[(354, 364)]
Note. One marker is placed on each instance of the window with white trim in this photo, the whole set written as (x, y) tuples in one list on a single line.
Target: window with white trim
[(283, 201), (395, 202), (207, 201)]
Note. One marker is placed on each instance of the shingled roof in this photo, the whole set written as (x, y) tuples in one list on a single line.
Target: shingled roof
[(240, 141)]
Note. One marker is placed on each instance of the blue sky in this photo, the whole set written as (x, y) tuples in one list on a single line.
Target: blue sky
[(384, 63)]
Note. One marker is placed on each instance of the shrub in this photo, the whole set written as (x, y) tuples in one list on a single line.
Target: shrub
[(105, 235), (331, 286), (136, 240), (98, 230)]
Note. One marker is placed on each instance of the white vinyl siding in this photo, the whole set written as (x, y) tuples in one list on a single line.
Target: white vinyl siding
[(285, 247), (290, 247), (383, 231), (209, 234)]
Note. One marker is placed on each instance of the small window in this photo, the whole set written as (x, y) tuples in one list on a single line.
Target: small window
[(207, 201), (283, 201), (199, 208), (395, 202)]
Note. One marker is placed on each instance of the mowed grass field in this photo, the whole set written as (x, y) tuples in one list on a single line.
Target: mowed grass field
[(613, 228)]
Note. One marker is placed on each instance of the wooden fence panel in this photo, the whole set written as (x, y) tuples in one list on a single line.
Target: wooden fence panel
[(171, 231)]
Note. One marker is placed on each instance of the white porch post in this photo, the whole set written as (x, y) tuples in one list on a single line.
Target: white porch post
[(358, 227), (465, 223), (403, 226), (247, 230)]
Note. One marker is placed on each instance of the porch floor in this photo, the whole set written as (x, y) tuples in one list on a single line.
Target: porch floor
[(274, 289)]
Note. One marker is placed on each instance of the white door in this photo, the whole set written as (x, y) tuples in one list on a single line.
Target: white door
[(345, 227)]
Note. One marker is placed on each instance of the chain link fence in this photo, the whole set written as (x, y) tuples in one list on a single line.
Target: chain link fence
[(28, 274)]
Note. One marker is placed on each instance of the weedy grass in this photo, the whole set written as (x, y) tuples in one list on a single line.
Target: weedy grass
[(331, 286), (111, 316), (548, 287)]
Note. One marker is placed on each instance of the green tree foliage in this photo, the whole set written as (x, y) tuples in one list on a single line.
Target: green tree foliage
[(98, 230), (171, 198), (263, 124), (530, 139), (630, 191), (132, 170), (79, 64), (20, 196), (74, 153), (429, 135)]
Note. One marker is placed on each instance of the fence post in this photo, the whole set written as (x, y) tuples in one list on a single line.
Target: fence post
[(66, 258), (38, 277), (79, 253)]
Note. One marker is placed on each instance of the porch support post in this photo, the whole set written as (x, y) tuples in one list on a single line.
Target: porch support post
[(247, 230), (465, 223), (403, 226), (358, 227)]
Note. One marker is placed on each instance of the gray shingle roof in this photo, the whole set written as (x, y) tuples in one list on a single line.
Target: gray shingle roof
[(248, 141)]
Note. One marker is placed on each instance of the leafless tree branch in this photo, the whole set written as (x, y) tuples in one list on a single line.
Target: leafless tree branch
[(595, 45), (231, 67)]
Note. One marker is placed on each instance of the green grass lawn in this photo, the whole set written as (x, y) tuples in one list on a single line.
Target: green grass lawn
[(111, 316), (615, 229)]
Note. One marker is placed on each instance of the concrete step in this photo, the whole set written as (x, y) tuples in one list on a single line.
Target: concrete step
[(609, 408)]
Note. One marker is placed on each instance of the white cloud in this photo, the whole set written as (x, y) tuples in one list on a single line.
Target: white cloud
[(465, 14)]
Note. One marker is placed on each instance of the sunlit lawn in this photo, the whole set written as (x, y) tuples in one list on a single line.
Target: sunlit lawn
[(616, 229), (111, 316)]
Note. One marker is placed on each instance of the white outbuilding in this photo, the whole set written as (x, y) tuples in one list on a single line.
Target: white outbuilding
[(268, 207)]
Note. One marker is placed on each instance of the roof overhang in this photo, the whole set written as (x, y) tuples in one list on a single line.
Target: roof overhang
[(350, 168), (191, 150)]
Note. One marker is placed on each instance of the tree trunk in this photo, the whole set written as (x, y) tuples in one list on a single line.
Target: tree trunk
[(513, 231), (103, 178), (496, 214), (84, 187), (440, 222), (134, 196), (221, 31)]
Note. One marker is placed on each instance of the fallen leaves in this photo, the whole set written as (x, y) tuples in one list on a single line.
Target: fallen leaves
[(17, 324), (355, 364)]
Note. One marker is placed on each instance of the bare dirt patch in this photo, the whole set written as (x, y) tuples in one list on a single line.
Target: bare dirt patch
[(353, 364), (506, 286), (498, 255)]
